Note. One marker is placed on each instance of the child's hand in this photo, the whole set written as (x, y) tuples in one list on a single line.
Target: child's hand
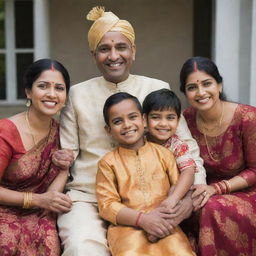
[(168, 203), (154, 223)]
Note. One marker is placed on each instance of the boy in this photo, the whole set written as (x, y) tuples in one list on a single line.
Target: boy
[(162, 110), (132, 181)]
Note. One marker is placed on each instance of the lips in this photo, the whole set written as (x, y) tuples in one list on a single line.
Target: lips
[(203, 101), (128, 132), (50, 104)]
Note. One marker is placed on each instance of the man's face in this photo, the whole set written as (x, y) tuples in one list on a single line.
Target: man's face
[(114, 56)]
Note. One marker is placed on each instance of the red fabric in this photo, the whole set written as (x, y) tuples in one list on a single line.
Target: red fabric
[(227, 222), (24, 231)]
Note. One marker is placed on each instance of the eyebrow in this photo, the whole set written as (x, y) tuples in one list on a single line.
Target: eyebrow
[(46, 82), (201, 81)]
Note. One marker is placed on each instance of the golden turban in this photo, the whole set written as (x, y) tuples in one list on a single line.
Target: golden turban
[(107, 22)]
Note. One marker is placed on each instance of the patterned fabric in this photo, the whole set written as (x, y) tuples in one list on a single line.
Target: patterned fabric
[(24, 232), (227, 222), (138, 180), (181, 153)]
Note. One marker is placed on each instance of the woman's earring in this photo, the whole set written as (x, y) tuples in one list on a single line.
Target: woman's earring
[(28, 103)]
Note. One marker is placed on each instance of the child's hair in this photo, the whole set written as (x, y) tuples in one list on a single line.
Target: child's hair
[(115, 99), (160, 100)]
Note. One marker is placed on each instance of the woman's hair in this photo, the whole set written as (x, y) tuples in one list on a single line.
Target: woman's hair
[(39, 66), (202, 64), (160, 100), (115, 99)]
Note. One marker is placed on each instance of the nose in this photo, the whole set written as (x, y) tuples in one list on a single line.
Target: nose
[(113, 54), (127, 123), (162, 122), (51, 92), (200, 90)]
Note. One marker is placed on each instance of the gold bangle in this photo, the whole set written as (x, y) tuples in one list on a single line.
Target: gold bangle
[(27, 200)]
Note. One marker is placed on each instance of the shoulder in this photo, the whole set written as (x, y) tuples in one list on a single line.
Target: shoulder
[(159, 149), (7, 127), (246, 113), (189, 114), (76, 88), (109, 157)]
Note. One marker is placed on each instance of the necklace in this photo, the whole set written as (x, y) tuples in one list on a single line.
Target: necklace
[(29, 127), (205, 136)]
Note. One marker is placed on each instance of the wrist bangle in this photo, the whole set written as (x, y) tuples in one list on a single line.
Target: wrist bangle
[(138, 219), (27, 200)]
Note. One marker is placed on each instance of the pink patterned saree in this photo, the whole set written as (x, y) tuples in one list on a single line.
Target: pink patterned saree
[(228, 222), (27, 232)]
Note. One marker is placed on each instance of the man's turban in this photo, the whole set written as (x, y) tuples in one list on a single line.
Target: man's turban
[(107, 22)]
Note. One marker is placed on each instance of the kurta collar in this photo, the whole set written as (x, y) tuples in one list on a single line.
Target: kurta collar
[(119, 86), (131, 152)]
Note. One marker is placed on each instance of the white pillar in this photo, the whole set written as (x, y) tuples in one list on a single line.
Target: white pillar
[(10, 52), (253, 57), (226, 44), (41, 29)]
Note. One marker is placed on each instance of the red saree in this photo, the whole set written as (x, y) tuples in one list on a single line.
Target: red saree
[(23, 232), (228, 222)]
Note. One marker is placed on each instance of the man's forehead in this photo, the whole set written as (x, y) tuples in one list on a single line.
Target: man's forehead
[(114, 37)]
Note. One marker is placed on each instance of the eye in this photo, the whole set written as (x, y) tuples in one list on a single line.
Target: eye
[(172, 117), (122, 47), (207, 83), (191, 87), (117, 121), (103, 49), (133, 117), (60, 87), (41, 85), (154, 117)]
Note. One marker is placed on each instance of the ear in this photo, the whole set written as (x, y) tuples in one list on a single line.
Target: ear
[(107, 129), (133, 52), (28, 93), (220, 87), (145, 123)]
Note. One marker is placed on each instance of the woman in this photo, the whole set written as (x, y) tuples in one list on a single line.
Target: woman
[(226, 134), (30, 185)]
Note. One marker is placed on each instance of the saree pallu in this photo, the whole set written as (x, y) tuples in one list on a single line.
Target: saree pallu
[(227, 224), (27, 232)]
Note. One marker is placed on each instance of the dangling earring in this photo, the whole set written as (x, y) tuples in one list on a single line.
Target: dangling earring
[(28, 103)]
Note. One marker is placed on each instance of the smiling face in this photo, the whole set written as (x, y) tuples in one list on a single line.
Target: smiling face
[(126, 124), (114, 56), (161, 125), (48, 93), (202, 90)]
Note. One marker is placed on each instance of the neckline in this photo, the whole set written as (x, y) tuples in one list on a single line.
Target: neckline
[(222, 133)]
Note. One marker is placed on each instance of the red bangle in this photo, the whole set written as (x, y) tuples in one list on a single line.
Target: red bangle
[(138, 219)]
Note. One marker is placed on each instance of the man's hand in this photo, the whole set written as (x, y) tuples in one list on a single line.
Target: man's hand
[(63, 158), (155, 223)]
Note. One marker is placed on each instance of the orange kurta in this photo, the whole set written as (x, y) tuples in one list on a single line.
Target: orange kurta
[(138, 180)]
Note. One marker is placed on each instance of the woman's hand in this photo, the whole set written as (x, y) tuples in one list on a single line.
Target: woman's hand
[(154, 223), (63, 158), (53, 201), (201, 195)]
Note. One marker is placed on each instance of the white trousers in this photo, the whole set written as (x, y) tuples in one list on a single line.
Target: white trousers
[(82, 231)]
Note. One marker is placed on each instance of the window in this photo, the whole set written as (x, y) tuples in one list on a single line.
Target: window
[(16, 47)]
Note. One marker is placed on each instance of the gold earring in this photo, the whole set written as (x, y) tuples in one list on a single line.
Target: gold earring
[(28, 103)]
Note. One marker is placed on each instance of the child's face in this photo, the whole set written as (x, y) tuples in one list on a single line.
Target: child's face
[(126, 124), (161, 125)]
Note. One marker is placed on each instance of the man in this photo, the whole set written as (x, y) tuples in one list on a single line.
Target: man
[(111, 42)]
